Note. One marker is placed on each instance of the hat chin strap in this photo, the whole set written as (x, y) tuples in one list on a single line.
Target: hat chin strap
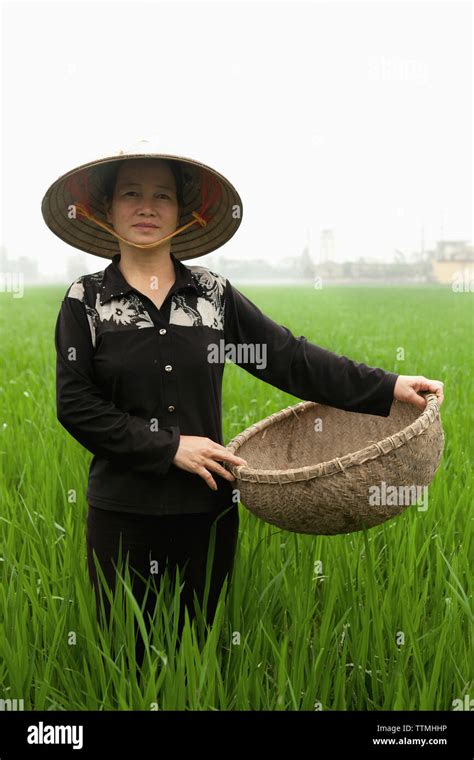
[(198, 219)]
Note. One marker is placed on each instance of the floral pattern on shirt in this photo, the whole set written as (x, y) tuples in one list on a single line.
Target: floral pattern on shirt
[(209, 311), (128, 309), (124, 311)]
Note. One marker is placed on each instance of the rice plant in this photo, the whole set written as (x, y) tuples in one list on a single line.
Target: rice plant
[(374, 620)]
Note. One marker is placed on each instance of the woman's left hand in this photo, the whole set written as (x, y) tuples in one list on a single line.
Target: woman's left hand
[(407, 386)]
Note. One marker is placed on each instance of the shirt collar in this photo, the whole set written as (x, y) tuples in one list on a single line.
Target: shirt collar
[(114, 283)]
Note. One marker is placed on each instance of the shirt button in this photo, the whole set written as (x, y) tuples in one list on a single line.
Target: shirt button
[(162, 331), (171, 408), (168, 368)]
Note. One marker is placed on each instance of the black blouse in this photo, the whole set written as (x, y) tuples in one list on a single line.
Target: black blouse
[(131, 378)]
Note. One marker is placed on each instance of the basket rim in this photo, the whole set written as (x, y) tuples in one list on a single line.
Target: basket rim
[(338, 464)]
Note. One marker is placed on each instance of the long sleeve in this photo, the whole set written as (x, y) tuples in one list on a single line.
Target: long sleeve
[(95, 423), (301, 368)]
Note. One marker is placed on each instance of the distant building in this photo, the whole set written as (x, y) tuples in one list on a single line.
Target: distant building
[(328, 246), (448, 250), (28, 268), (452, 260)]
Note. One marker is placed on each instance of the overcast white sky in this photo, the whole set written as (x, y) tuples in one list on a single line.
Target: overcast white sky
[(352, 116)]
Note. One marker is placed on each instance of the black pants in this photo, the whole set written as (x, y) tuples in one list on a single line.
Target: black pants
[(170, 541)]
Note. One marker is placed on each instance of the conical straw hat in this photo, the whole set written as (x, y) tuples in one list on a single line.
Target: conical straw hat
[(73, 206)]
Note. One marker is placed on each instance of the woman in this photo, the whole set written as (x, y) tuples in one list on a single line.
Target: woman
[(138, 383)]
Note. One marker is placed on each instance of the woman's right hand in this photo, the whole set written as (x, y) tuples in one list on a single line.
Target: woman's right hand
[(198, 455)]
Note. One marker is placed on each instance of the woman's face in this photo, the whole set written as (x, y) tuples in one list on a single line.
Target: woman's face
[(145, 192)]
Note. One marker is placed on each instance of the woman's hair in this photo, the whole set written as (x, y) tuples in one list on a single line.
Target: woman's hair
[(110, 178)]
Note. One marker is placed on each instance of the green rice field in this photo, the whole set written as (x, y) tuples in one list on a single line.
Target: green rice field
[(386, 625)]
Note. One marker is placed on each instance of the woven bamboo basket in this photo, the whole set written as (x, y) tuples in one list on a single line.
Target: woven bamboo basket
[(317, 469)]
